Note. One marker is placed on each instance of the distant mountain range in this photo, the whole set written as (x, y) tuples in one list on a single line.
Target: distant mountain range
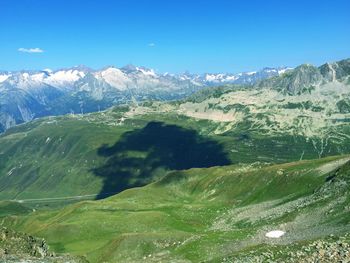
[(302, 114), (218, 171), (252, 77), (25, 95)]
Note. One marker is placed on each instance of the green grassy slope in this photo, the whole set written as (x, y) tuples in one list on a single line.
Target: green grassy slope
[(94, 155), (52, 159), (13, 208), (67, 156), (110, 151), (204, 214)]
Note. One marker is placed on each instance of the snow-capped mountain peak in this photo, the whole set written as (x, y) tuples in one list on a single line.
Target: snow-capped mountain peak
[(4, 77), (114, 77), (239, 78), (145, 71), (44, 92)]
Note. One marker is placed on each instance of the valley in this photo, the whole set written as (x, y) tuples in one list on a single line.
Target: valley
[(202, 178), (174, 131)]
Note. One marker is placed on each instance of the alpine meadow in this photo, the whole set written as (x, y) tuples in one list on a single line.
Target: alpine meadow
[(102, 163)]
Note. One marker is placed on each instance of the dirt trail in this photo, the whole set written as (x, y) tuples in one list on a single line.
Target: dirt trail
[(57, 199)]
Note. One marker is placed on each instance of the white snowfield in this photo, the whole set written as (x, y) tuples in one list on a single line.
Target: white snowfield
[(275, 234), (3, 77), (136, 77), (114, 77)]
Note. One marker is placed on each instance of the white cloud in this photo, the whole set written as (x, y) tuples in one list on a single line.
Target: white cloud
[(31, 50), (151, 45)]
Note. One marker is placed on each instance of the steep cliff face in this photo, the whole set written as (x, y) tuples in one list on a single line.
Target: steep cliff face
[(336, 71)]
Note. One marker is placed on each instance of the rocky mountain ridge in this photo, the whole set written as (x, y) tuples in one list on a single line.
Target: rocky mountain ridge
[(26, 95)]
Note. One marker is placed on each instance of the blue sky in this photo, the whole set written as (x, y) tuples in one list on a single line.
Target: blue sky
[(175, 36)]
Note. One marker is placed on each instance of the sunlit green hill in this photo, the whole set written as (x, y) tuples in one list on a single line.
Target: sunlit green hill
[(204, 214)]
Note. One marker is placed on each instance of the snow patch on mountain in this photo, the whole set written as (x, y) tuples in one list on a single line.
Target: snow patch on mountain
[(114, 77), (284, 70), (239, 78), (32, 94), (147, 72), (251, 73), (65, 76), (3, 77)]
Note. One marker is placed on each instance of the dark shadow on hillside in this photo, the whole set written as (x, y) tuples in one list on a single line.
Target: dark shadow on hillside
[(140, 156)]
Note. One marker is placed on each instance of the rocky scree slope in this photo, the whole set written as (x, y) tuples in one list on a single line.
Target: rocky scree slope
[(20, 247)]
